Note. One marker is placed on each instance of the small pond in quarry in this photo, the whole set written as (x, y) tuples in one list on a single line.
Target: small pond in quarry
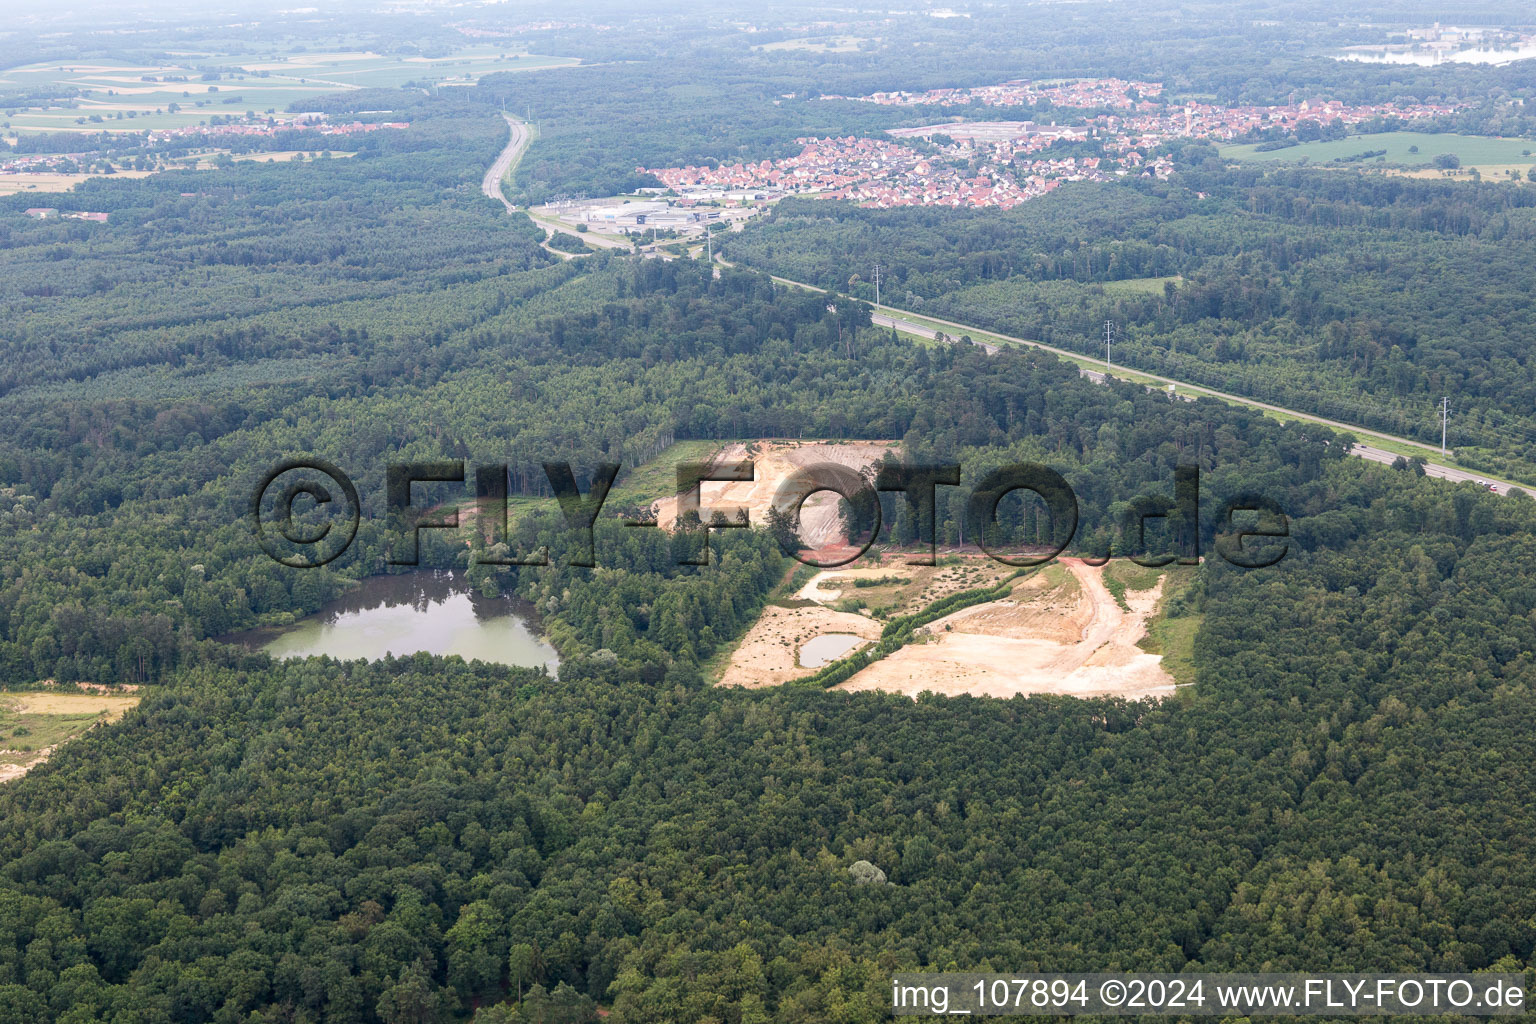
[(827, 648)]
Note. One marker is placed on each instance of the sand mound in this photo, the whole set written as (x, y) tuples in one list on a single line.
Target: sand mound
[(773, 461), (1048, 606), (1042, 639)]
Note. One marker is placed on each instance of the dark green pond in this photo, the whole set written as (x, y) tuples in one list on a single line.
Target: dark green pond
[(427, 611)]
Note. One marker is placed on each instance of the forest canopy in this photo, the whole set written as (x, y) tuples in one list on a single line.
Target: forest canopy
[(422, 840)]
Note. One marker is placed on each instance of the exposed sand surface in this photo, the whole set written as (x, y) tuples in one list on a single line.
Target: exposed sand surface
[(1044, 638), (83, 710), (768, 656), (71, 703), (773, 461), (11, 772), (910, 588)]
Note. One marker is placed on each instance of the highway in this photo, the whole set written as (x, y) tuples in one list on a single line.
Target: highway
[(491, 184), (890, 316), (887, 319), (1436, 470), (522, 135)]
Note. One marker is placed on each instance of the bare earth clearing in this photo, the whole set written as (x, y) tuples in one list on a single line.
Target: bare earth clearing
[(33, 725), (901, 588), (1059, 631), (769, 655), (1066, 636), (773, 461)]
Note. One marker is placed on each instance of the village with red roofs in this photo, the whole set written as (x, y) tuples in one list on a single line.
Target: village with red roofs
[(1003, 163)]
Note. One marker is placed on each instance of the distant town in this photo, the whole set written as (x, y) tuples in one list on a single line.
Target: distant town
[(256, 126), (1086, 93), (1004, 163)]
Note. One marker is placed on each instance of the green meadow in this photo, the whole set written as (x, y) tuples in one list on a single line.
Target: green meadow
[(1473, 150)]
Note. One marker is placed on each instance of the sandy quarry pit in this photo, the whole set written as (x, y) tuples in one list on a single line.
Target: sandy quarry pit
[(769, 654), (772, 462)]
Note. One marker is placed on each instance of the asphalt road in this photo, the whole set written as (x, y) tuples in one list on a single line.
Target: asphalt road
[(1435, 469), (592, 238), (491, 186), (491, 183)]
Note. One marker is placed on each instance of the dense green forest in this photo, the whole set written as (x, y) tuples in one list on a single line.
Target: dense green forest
[(420, 841), (257, 839), (1365, 299), (403, 841), (193, 341)]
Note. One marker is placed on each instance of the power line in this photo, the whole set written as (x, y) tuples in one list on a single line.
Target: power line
[(1073, 335), (1445, 415)]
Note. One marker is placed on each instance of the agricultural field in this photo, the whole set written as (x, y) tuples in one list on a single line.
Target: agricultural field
[(11, 184), (203, 161), (32, 725), (373, 70), (1141, 285), (834, 44), (1407, 149), (122, 96)]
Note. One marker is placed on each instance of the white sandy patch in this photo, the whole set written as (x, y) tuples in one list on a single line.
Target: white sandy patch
[(773, 461), (769, 654), (989, 649)]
